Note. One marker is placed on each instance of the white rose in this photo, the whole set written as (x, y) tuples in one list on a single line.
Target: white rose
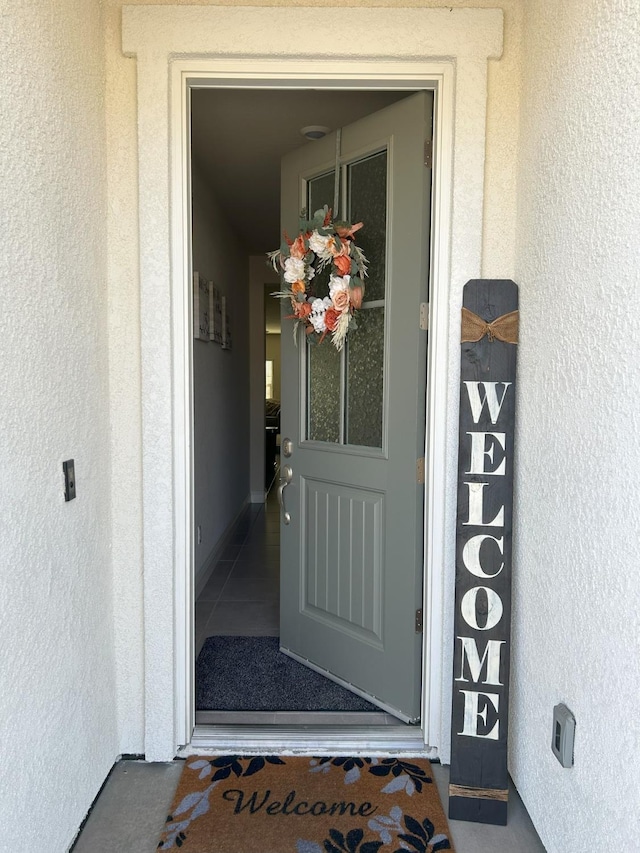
[(338, 282), (293, 270), (317, 316), (319, 244)]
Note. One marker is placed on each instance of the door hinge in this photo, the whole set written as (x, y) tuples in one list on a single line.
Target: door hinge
[(420, 470), (419, 621), (428, 153), (424, 316)]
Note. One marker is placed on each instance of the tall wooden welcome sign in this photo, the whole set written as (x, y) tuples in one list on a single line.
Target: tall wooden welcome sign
[(478, 788)]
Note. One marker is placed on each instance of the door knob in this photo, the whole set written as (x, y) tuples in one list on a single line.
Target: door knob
[(285, 479), (287, 447)]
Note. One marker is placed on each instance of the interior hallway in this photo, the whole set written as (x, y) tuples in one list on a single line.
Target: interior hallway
[(241, 596), (129, 815)]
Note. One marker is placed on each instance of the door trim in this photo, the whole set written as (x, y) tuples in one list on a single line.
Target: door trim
[(178, 47), (439, 79)]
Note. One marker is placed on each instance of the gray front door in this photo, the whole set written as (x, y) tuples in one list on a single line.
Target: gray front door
[(352, 554)]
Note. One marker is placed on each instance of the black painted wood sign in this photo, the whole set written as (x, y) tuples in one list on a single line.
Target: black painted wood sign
[(478, 787)]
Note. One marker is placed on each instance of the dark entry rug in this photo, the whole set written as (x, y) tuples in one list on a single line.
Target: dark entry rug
[(266, 804), (252, 674)]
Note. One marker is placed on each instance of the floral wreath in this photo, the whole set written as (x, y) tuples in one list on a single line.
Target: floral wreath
[(320, 243)]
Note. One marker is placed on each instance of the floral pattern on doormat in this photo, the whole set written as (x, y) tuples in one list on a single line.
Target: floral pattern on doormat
[(270, 804)]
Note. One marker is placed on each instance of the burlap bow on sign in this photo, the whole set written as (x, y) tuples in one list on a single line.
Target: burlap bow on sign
[(504, 328)]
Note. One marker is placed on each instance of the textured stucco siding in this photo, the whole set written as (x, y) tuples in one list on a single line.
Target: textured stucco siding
[(576, 599), (58, 734)]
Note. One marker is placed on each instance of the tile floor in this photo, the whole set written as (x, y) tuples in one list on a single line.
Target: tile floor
[(241, 596), (129, 815)]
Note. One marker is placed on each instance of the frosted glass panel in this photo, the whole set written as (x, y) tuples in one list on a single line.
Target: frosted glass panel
[(367, 185), (365, 362), (349, 385), (320, 192), (323, 392)]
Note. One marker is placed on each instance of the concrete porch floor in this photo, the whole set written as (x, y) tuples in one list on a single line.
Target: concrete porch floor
[(129, 814)]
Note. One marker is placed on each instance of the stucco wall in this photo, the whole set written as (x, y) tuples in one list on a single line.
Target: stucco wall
[(498, 253), (221, 379), (58, 735), (578, 265)]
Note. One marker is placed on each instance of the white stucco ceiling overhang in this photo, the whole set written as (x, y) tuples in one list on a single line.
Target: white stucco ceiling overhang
[(250, 45)]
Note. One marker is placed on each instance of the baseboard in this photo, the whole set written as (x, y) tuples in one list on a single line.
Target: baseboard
[(206, 570)]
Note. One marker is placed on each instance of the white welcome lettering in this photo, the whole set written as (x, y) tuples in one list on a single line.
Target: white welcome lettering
[(479, 450), (490, 658), (468, 607), (476, 508), (472, 713), (471, 555), (490, 398)]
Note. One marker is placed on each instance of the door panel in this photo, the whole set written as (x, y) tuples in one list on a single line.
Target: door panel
[(351, 574), (343, 574)]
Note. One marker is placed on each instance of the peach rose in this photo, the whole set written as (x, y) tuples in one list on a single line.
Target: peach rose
[(340, 301), (356, 297), (331, 318), (343, 264), (302, 310), (298, 287), (297, 247)]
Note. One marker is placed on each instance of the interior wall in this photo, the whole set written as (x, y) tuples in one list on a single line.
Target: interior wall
[(57, 689), (221, 379), (576, 599), (259, 273), (498, 256), (273, 354)]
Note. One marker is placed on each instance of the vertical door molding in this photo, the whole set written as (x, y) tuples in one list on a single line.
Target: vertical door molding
[(181, 46)]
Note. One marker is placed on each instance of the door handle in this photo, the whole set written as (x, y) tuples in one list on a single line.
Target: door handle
[(287, 476)]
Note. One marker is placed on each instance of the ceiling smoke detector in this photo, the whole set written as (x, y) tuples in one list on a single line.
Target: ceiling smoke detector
[(315, 131)]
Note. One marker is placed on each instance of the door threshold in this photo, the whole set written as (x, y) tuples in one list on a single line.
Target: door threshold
[(345, 719), (308, 740)]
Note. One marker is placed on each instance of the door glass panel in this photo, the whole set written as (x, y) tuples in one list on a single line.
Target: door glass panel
[(345, 391), (323, 362), (367, 189), (365, 360), (367, 195), (323, 392), (320, 192)]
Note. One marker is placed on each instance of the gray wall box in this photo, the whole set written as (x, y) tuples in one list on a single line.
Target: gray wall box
[(564, 730)]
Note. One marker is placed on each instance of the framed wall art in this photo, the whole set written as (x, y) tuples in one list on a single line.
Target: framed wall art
[(201, 308), (215, 314), (226, 325)]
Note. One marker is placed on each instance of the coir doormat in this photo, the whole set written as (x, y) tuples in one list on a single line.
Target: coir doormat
[(266, 804)]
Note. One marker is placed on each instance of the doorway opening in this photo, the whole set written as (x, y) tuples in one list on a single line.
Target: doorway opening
[(238, 140)]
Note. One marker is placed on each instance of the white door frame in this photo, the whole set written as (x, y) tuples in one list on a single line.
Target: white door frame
[(207, 42)]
